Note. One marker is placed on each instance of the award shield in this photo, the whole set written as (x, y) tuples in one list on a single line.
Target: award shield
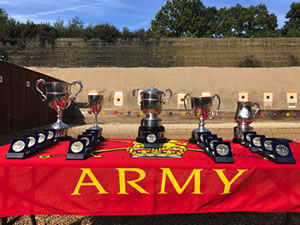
[(244, 116), (151, 131), (202, 109), (95, 103), (59, 97)]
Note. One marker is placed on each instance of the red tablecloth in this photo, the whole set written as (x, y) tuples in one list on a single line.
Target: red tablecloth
[(113, 183)]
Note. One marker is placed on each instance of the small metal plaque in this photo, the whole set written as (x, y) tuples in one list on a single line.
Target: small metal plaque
[(1, 79), (27, 83)]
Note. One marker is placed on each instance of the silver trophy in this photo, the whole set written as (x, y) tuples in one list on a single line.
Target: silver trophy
[(95, 102), (151, 131), (202, 109), (244, 116), (59, 97)]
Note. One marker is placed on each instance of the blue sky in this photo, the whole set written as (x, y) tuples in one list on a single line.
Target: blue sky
[(134, 14)]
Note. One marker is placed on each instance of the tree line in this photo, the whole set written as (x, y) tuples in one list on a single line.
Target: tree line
[(177, 18), (190, 18)]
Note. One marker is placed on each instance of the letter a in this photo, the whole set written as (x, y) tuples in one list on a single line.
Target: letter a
[(95, 182)]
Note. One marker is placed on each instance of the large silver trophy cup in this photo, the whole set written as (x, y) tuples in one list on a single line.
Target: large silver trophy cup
[(202, 109), (151, 131), (59, 97), (95, 102), (244, 116)]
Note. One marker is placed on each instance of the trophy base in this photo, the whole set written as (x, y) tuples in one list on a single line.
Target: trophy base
[(96, 127), (237, 140), (238, 133), (64, 138), (61, 130), (195, 134), (62, 135), (219, 159), (151, 137)]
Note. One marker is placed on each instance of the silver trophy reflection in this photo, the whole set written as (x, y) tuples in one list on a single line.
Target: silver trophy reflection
[(202, 109), (151, 131), (95, 103), (59, 97), (244, 116)]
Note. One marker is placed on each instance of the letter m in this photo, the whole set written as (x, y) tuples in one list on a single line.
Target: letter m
[(166, 172)]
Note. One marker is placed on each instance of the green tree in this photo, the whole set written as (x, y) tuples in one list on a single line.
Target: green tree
[(140, 34), (88, 33), (3, 25), (13, 33), (60, 27), (3, 19), (239, 21), (126, 34), (28, 30), (75, 28), (16, 33), (180, 17), (106, 32), (261, 23), (46, 34), (76, 22), (292, 26)]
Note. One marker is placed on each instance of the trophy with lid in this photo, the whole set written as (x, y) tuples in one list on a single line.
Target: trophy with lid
[(202, 109), (244, 116), (59, 97), (151, 131)]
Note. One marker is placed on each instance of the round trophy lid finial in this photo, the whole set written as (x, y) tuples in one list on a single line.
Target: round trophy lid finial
[(153, 90)]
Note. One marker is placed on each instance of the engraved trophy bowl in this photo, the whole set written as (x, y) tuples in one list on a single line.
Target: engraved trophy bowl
[(151, 101), (59, 97), (244, 116), (95, 103), (202, 108), (151, 130)]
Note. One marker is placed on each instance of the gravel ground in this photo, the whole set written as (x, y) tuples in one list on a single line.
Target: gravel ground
[(289, 130), (232, 218)]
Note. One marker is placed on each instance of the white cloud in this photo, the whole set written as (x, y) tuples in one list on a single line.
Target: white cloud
[(49, 11), (59, 10)]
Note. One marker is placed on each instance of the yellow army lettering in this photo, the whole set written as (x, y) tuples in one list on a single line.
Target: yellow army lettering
[(166, 173)]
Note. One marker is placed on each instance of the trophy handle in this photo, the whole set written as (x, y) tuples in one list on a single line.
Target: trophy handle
[(256, 111), (73, 98), (134, 94), (44, 97), (217, 110), (169, 96)]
